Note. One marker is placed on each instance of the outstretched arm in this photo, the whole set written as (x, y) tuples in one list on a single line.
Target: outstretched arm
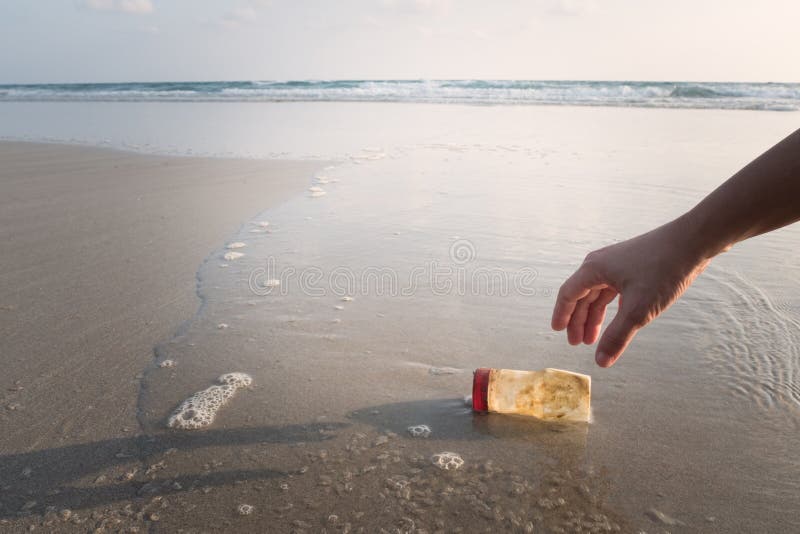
[(651, 271)]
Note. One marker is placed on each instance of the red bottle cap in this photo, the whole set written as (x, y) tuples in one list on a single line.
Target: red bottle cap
[(480, 389)]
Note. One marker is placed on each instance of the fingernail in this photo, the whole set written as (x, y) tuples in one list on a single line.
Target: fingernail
[(601, 358)]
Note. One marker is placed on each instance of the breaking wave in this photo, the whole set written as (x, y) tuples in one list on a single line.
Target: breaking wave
[(752, 96)]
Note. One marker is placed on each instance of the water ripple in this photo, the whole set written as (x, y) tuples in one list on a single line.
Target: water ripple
[(758, 342)]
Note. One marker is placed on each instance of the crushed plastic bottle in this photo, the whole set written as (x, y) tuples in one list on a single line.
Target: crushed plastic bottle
[(550, 394)]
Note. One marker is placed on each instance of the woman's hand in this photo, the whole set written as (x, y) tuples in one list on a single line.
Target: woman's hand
[(648, 272), (651, 271)]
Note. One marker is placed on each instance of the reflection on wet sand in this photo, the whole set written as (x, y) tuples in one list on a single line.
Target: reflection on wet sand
[(397, 353)]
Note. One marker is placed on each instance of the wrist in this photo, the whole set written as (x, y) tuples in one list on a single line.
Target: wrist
[(699, 237)]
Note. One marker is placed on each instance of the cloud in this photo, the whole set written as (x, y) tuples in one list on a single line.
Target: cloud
[(139, 7)]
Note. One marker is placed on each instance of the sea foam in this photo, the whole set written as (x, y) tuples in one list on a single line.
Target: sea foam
[(447, 460), (200, 409)]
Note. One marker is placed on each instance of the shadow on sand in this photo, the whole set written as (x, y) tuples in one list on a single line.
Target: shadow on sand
[(451, 419), (47, 477), (34, 481)]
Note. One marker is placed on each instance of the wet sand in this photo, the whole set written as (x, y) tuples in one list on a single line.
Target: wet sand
[(99, 254), (691, 432), (101, 249)]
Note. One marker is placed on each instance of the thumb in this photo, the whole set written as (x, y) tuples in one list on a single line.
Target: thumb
[(615, 340)]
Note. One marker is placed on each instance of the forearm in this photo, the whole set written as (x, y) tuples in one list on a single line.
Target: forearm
[(651, 271), (763, 196)]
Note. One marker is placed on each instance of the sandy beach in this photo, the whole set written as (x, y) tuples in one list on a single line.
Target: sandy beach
[(118, 304), (98, 262), (256, 257)]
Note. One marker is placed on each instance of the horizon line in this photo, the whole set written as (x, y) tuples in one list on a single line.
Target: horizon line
[(318, 80)]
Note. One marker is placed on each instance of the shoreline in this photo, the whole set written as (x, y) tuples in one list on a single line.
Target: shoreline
[(113, 243), (100, 253)]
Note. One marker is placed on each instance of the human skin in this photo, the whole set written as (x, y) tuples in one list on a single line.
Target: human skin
[(651, 271)]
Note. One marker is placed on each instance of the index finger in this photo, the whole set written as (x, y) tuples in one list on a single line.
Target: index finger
[(575, 288)]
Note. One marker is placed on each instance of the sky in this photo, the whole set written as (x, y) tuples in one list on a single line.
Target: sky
[(44, 41)]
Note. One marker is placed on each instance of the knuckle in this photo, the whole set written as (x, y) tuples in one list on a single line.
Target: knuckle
[(594, 263)]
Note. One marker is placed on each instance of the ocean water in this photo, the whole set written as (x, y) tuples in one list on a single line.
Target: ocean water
[(449, 229), (706, 95)]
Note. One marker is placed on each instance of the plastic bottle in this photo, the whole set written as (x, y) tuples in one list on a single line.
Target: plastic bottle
[(547, 394)]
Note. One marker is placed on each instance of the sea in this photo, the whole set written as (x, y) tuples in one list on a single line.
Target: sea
[(661, 94)]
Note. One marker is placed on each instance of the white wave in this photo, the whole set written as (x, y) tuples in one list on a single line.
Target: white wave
[(780, 97)]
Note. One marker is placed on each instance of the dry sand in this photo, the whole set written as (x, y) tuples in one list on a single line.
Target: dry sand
[(99, 254)]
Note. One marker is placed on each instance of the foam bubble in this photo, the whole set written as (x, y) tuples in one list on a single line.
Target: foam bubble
[(200, 409), (245, 509), (346, 299), (167, 363), (230, 256), (262, 224), (222, 326), (315, 194), (316, 189), (272, 282), (237, 244), (447, 460), (419, 431)]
